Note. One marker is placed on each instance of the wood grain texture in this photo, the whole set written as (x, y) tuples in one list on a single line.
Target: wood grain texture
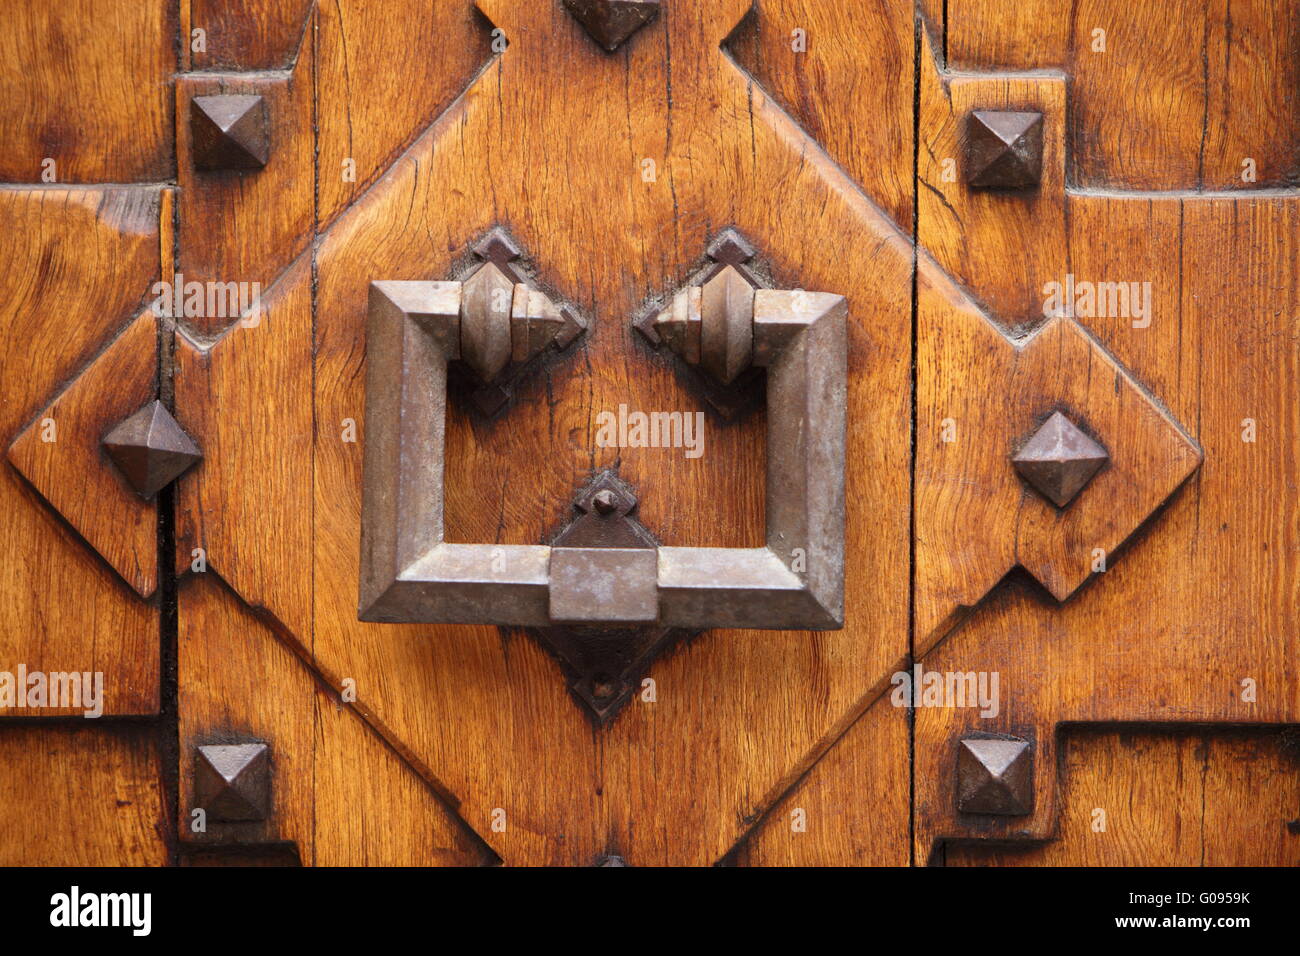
[(340, 795), (74, 474), (857, 54), (386, 70), (1199, 798), (80, 264), (248, 504), (400, 134), (86, 84), (976, 518), (995, 244), (1182, 94), (846, 810), (87, 795), (249, 35)]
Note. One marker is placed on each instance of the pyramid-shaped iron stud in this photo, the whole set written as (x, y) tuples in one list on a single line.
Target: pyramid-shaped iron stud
[(1059, 460), (1004, 149), (150, 449), (995, 776), (232, 782), (229, 131), (610, 22)]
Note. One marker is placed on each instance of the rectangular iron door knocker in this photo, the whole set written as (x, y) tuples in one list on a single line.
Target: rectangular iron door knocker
[(410, 573)]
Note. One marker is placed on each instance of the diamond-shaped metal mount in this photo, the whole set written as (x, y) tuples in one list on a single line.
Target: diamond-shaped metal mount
[(151, 449), (232, 782), (1059, 460), (534, 323), (995, 776), (610, 22), (604, 663), (712, 325), (1004, 149), (229, 131), (718, 360)]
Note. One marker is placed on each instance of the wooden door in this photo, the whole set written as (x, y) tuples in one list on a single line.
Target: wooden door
[(1067, 235)]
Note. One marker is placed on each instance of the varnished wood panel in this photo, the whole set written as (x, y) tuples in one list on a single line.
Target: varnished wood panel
[(340, 795), (386, 70), (86, 795), (76, 476), (1203, 598), (400, 133), (845, 811), (80, 263), (245, 512), (249, 35), (247, 226), (86, 83), (1142, 797), (844, 72), (758, 703), (997, 245), (1183, 93)]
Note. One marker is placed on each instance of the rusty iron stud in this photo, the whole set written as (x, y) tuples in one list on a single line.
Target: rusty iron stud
[(611, 859), (232, 782), (151, 449), (995, 775), (605, 501), (1059, 460), (229, 131), (610, 22), (1004, 149)]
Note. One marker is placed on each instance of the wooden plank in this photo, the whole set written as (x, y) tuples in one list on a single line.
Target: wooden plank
[(995, 244), (606, 239), (1190, 622), (67, 609), (340, 795), (247, 400), (387, 69), (89, 89), (82, 795), (1182, 94), (75, 475), (251, 35), (844, 72), (847, 809), (1146, 797), (247, 226)]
